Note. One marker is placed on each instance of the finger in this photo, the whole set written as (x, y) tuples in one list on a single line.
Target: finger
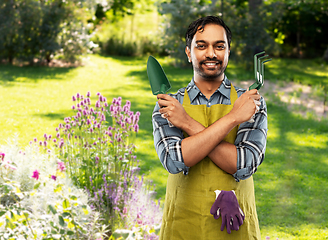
[(257, 103), (224, 221), (161, 96), (240, 219), (229, 224), (163, 103), (235, 224), (165, 115), (253, 91), (214, 208)]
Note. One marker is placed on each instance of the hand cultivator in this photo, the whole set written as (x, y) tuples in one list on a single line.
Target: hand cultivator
[(259, 70)]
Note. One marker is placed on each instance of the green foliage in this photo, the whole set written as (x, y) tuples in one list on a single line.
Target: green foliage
[(116, 47), (303, 24), (42, 30), (281, 28), (117, 9), (178, 14)]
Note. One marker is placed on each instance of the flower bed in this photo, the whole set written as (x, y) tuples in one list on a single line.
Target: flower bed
[(82, 183)]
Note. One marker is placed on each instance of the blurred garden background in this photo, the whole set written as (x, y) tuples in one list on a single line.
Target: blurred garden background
[(50, 50)]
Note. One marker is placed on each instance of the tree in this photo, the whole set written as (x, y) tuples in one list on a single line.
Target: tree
[(43, 29), (303, 27)]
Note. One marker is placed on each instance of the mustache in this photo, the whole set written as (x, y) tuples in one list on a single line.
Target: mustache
[(212, 60)]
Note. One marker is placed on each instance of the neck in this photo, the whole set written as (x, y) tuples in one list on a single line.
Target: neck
[(208, 86)]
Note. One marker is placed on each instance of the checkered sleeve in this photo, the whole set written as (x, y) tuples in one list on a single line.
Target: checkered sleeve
[(167, 141), (251, 144)]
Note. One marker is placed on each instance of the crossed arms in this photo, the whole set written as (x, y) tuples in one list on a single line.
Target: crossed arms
[(178, 153)]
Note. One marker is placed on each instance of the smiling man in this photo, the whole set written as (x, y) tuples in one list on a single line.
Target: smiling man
[(210, 146)]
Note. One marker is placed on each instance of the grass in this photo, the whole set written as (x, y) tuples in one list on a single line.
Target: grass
[(290, 185)]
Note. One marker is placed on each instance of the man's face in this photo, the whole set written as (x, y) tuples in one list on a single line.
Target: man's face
[(209, 53)]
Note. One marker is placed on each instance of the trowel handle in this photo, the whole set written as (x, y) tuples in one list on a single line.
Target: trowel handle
[(163, 89)]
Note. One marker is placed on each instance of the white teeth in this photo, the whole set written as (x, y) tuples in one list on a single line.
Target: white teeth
[(210, 64)]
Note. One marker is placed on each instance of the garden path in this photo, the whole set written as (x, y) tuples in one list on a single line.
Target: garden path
[(299, 98)]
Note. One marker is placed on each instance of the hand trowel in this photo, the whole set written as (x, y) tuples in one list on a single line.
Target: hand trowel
[(157, 78)]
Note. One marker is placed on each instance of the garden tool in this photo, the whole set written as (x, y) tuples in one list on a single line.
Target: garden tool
[(259, 70), (157, 78)]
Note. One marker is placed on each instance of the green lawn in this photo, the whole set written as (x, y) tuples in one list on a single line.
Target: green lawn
[(291, 185)]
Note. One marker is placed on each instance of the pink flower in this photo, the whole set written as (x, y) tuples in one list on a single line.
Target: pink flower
[(53, 177), (2, 156), (36, 174), (125, 210), (61, 166)]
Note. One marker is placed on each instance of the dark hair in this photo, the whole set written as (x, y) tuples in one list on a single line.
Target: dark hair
[(200, 23)]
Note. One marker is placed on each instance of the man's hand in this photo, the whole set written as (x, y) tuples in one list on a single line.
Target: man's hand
[(245, 106), (227, 206), (173, 111)]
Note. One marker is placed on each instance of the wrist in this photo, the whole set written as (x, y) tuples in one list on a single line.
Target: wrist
[(191, 126), (232, 120)]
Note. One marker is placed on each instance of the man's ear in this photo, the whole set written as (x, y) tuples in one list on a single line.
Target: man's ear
[(187, 51)]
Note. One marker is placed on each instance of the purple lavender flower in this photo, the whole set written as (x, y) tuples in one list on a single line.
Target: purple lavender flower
[(136, 127), (61, 144), (74, 98), (88, 94), (78, 96)]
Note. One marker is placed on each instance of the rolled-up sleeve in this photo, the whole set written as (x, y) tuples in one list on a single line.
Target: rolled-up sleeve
[(251, 144), (167, 141)]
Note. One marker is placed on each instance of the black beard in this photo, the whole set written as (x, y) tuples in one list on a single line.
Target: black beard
[(200, 71)]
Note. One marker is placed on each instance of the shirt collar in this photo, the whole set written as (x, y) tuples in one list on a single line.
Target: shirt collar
[(224, 89)]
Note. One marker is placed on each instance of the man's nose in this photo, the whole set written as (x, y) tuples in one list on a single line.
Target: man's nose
[(210, 53)]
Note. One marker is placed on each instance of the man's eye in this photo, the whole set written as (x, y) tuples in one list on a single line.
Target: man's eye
[(220, 47), (200, 46)]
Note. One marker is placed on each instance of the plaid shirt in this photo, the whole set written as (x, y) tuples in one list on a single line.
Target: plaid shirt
[(250, 141)]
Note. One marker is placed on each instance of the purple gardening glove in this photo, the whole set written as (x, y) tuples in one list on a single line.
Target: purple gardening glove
[(227, 206)]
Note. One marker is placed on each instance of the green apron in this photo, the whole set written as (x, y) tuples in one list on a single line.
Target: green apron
[(189, 198)]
